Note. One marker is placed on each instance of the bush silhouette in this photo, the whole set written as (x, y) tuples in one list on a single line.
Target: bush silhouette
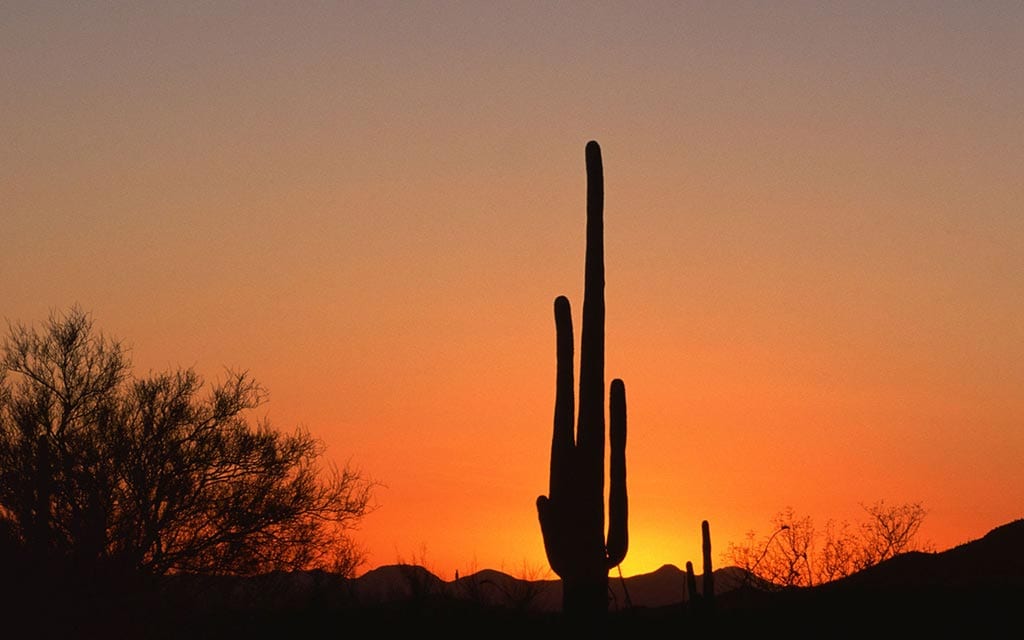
[(104, 476)]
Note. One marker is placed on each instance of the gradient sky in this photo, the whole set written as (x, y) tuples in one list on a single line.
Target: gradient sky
[(815, 275)]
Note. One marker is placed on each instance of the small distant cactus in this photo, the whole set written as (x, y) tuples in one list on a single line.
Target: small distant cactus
[(709, 573), (572, 514), (702, 602), (692, 597)]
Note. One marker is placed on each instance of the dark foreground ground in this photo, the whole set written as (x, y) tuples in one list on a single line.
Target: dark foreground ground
[(974, 590), (850, 613)]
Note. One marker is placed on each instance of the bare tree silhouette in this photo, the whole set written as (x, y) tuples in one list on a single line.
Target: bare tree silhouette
[(797, 554), (103, 475)]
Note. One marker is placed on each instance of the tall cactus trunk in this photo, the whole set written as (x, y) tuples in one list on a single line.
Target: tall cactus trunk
[(572, 514)]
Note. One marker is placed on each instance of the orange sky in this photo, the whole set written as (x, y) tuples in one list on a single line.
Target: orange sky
[(813, 243)]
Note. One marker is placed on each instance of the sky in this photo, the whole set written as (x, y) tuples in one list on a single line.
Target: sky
[(813, 233)]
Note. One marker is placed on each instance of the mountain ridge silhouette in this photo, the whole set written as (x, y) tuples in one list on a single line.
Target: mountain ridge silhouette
[(995, 559)]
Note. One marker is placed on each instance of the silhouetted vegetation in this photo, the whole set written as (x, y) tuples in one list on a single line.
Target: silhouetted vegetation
[(572, 514), (107, 479), (796, 554)]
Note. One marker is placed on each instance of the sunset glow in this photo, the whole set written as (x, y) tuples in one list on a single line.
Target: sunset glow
[(813, 244)]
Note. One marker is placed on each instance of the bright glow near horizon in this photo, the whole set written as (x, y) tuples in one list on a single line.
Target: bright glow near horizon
[(813, 244)]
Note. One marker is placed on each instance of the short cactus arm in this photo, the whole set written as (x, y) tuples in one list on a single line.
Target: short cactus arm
[(618, 508)]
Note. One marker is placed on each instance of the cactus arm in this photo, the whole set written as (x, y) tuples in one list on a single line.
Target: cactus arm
[(562, 440), (618, 508), (551, 509)]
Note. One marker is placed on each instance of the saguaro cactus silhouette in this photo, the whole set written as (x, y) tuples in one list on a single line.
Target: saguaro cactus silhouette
[(572, 514), (709, 572)]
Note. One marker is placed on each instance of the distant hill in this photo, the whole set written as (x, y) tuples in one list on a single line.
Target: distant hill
[(995, 561), (976, 587), (663, 587)]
